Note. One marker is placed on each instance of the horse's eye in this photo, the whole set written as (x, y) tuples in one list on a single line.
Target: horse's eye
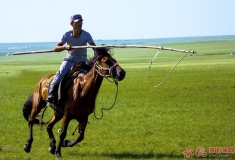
[(108, 63)]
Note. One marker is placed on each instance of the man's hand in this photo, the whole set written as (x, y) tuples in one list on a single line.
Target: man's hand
[(68, 47)]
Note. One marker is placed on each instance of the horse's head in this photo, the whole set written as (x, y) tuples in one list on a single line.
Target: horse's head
[(107, 66)]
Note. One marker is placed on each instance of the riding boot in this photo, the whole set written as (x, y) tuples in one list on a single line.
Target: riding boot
[(52, 93)]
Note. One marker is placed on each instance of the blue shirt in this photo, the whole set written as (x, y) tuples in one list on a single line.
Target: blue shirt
[(79, 54)]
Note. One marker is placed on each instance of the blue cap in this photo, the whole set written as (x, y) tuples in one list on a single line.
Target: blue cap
[(76, 18)]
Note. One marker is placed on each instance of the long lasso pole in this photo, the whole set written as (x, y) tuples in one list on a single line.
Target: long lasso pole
[(110, 46)]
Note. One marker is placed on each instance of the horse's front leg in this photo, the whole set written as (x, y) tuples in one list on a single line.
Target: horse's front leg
[(81, 131), (63, 133), (50, 126)]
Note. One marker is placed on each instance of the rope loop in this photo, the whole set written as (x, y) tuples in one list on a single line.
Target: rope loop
[(168, 72)]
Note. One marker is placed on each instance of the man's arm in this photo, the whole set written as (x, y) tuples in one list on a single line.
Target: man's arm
[(60, 47)]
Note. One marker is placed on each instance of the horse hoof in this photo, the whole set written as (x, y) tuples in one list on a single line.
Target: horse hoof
[(51, 149), (58, 155), (65, 143), (26, 148)]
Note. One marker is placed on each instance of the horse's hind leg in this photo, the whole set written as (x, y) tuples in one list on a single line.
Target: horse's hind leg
[(50, 125), (37, 105), (28, 145), (32, 117)]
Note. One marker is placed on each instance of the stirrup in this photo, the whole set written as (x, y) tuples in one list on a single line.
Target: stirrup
[(50, 99)]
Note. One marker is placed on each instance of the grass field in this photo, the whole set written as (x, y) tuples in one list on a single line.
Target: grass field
[(194, 107)]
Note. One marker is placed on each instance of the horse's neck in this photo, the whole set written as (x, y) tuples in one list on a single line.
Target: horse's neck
[(96, 79), (92, 83)]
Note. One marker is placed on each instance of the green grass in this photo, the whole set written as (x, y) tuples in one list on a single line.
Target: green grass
[(193, 107)]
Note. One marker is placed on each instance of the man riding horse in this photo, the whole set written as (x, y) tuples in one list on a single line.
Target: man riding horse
[(75, 37), (78, 99)]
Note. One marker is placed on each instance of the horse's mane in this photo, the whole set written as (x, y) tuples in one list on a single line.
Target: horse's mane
[(102, 52)]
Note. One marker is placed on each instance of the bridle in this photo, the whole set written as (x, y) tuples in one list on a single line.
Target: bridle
[(99, 69)]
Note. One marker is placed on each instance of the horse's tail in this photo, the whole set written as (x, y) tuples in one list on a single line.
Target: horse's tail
[(27, 108)]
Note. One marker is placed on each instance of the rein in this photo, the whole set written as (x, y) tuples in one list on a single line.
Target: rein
[(98, 68), (150, 64), (102, 114)]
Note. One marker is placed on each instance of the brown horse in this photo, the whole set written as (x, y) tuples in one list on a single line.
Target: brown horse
[(78, 102)]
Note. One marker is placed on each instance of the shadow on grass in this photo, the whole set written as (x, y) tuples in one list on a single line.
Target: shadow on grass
[(128, 155)]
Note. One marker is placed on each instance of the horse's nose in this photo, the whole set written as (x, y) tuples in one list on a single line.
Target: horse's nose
[(121, 75)]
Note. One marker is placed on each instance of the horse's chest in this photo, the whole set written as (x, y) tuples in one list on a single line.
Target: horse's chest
[(80, 110)]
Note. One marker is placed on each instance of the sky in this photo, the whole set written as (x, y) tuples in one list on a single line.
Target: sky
[(48, 20)]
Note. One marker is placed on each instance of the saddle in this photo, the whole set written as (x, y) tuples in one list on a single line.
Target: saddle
[(78, 68)]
